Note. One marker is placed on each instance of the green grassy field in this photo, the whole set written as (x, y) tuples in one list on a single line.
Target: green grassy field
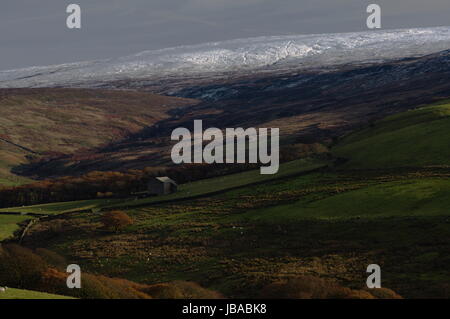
[(12, 293), (415, 138), (422, 197), (187, 190), (238, 241), (9, 224), (330, 223), (6, 177), (217, 184), (63, 207), (13, 181)]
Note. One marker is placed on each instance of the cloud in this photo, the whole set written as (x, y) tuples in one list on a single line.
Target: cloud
[(37, 35), (220, 4)]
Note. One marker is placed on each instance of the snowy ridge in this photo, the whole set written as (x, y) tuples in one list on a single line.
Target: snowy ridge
[(243, 55)]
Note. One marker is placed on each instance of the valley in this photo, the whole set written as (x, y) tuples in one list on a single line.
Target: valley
[(364, 174), (312, 110), (47, 124), (327, 220)]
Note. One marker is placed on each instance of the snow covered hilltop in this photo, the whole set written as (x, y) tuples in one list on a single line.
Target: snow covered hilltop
[(275, 53)]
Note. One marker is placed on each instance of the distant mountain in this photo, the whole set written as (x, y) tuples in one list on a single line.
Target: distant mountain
[(340, 84), (275, 54), (309, 108)]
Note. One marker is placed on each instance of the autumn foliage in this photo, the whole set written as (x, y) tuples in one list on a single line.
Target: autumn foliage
[(310, 287), (116, 220), (98, 184), (181, 290), (24, 268)]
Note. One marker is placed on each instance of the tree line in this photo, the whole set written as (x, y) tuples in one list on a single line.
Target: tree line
[(100, 184)]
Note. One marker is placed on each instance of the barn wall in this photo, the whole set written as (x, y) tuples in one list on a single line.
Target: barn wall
[(156, 188)]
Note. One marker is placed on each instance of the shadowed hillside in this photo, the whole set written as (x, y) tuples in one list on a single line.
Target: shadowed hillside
[(329, 223), (48, 123), (311, 108)]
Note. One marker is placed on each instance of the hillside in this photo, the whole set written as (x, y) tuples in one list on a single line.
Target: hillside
[(330, 223), (11, 156), (12, 293), (401, 198), (48, 123), (9, 224), (200, 188), (382, 198), (312, 108), (415, 138), (324, 224)]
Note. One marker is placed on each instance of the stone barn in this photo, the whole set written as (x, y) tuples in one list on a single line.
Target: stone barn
[(161, 186)]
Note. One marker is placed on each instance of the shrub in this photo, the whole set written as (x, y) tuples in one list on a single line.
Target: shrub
[(20, 267), (44, 270), (309, 287), (384, 293), (181, 290), (357, 294), (52, 258), (116, 220), (92, 286)]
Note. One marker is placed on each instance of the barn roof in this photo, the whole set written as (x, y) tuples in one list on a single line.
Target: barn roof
[(165, 179)]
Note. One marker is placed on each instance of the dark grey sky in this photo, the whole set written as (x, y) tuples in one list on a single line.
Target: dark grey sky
[(34, 32)]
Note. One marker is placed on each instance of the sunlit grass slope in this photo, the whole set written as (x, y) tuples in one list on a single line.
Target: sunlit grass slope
[(198, 188), (11, 293), (9, 224), (420, 197), (415, 138)]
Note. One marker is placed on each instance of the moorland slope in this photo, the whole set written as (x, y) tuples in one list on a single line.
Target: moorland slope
[(43, 124)]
